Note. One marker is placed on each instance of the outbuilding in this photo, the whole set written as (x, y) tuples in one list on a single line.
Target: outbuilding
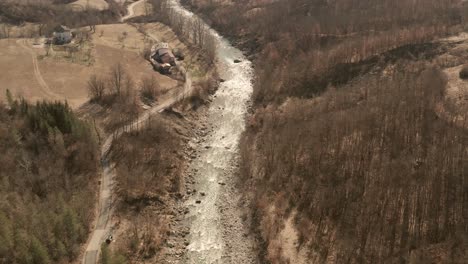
[(162, 58)]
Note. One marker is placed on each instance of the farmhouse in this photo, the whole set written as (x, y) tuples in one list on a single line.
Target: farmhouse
[(162, 58), (163, 54), (62, 35)]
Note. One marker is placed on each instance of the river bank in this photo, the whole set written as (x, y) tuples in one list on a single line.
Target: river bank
[(218, 233)]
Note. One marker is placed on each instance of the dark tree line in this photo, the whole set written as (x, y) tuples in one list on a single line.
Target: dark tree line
[(51, 15)]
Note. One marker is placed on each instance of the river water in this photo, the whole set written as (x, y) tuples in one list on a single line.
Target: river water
[(226, 115)]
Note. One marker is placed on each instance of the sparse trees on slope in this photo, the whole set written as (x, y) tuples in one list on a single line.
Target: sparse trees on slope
[(374, 164)]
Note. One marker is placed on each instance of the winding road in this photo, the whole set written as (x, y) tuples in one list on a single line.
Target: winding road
[(131, 10), (103, 225)]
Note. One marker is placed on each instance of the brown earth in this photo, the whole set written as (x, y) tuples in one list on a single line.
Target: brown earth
[(96, 4), (67, 79), (17, 71)]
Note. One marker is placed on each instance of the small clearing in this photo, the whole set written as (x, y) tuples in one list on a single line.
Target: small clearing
[(95, 4), (138, 8)]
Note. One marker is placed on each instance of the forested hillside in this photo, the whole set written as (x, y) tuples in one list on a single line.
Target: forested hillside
[(372, 173), (48, 176), (346, 140), (47, 14)]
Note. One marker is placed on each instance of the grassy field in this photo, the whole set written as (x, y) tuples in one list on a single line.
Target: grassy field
[(67, 80), (17, 71)]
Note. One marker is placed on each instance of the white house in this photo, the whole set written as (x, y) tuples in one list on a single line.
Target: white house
[(62, 35)]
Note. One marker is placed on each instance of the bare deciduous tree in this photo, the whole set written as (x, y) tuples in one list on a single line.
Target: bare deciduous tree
[(96, 87), (5, 31), (149, 88), (117, 78)]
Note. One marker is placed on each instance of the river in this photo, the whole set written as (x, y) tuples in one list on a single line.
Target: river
[(214, 166)]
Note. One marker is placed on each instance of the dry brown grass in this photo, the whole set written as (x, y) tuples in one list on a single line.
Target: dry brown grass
[(70, 79), (149, 176)]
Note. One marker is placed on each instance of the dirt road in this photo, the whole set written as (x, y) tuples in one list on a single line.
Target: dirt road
[(102, 227), (131, 10), (37, 72)]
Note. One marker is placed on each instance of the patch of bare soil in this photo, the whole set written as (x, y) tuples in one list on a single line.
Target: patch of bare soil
[(17, 71), (456, 104), (239, 241), (85, 4), (137, 8)]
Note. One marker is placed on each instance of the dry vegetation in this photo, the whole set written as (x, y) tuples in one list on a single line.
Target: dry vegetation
[(47, 180), (188, 31), (48, 15), (50, 220), (149, 165), (372, 162), (149, 179), (149, 162), (116, 96), (346, 136)]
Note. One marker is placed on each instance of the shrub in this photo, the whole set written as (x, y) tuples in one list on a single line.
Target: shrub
[(149, 89), (464, 72)]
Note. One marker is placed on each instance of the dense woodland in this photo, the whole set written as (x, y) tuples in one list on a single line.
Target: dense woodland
[(357, 153), (371, 161), (49, 14), (48, 178)]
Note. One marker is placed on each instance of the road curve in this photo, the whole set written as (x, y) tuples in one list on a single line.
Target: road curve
[(102, 225), (131, 10)]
